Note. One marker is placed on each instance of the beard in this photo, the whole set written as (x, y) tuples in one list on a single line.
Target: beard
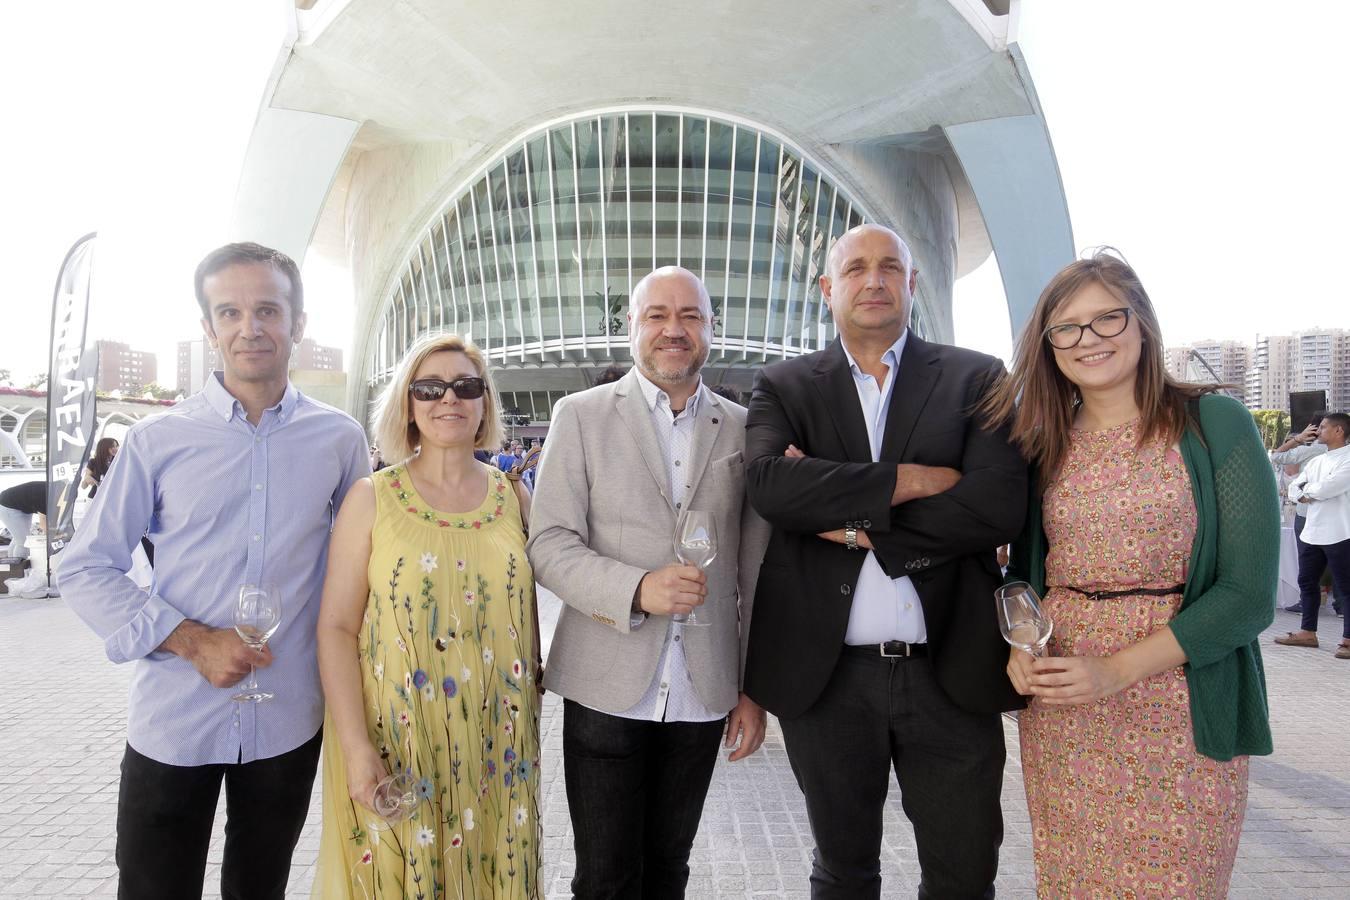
[(663, 372)]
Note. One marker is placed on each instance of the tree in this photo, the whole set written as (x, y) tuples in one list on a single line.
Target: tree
[(156, 391), (1273, 425), (6, 380), (612, 306), (37, 382)]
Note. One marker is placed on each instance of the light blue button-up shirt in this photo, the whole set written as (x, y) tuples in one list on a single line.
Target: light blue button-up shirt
[(884, 608), (225, 503)]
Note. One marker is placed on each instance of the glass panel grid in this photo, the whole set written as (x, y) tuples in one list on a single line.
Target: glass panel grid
[(537, 257)]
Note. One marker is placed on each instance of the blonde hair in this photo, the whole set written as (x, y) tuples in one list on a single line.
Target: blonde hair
[(395, 431)]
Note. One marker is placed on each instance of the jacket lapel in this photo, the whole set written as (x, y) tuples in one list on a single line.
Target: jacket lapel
[(706, 427), (919, 370), (632, 409), (834, 382)]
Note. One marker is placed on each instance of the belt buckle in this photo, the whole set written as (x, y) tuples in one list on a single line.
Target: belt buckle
[(895, 655)]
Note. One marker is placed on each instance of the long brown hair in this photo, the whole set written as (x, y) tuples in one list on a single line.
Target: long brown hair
[(1040, 402), (103, 456)]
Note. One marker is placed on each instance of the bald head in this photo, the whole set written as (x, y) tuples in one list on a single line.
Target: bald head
[(675, 277), (670, 327), (869, 286), (848, 243)]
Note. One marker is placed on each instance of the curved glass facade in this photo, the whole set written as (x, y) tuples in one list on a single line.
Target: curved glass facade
[(536, 259)]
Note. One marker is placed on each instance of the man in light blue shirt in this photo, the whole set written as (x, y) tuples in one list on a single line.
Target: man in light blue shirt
[(235, 485)]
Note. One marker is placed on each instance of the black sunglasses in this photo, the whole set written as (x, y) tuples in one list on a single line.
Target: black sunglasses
[(470, 387), (1107, 325)]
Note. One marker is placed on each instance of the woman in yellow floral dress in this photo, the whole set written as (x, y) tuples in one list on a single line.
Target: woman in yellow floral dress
[(428, 649)]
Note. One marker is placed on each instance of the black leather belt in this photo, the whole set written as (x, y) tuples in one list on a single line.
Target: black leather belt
[(1130, 592), (888, 650)]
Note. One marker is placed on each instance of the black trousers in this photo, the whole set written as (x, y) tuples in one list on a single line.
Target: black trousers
[(879, 714), (635, 791), (1313, 560), (165, 814)]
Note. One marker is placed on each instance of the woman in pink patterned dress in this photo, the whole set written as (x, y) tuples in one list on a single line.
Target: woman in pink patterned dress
[(1153, 537)]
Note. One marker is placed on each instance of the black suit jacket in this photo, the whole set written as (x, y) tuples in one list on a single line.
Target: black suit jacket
[(945, 543)]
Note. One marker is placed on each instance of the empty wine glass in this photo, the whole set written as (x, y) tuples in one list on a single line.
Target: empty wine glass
[(395, 797), (256, 616), (1020, 618), (695, 545)]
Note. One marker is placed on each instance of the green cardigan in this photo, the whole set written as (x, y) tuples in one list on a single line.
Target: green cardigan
[(1230, 591)]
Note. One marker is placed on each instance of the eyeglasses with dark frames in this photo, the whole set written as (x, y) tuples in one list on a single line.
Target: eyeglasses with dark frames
[(1068, 335), (470, 387)]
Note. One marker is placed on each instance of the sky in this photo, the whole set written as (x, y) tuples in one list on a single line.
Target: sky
[(1204, 140)]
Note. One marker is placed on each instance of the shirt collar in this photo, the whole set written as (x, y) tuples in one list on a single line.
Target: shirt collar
[(225, 403), (652, 394), (891, 357)]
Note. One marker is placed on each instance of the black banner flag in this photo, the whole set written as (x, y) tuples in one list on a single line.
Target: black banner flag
[(71, 381)]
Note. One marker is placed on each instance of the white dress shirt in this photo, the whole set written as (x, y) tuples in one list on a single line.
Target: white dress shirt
[(671, 696), (1297, 456), (1325, 481), (884, 608)]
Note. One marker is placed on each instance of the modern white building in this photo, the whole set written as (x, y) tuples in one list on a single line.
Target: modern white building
[(511, 172), (1313, 360)]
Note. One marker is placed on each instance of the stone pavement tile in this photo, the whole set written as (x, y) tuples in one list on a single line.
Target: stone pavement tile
[(57, 816)]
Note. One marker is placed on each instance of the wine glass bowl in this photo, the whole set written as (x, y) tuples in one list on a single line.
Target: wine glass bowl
[(257, 614), (695, 545), (395, 797), (1020, 617)]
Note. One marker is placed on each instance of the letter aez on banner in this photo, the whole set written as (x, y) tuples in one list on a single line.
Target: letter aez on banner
[(71, 380)]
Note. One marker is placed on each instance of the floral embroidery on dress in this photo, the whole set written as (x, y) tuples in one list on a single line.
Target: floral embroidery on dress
[(495, 508), (460, 710)]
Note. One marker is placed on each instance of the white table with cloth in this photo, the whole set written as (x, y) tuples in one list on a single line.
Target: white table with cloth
[(1286, 593)]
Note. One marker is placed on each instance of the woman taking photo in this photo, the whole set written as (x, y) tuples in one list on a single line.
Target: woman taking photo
[(428, 652), (1153, 537), (104, 453)]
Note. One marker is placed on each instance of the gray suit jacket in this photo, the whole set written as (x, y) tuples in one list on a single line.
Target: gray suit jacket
[(602, 517)]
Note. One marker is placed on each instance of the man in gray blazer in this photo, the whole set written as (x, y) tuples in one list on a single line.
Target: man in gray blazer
[(646, 697)]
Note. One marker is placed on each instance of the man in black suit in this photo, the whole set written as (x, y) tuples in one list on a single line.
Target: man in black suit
[(875, 640)]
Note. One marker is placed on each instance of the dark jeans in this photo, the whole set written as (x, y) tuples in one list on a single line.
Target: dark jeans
[(635, 790), (880, 714), (165, 814), (1313, 560)]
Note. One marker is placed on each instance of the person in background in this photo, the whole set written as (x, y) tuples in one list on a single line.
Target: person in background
[(1323, 488), (18, 505), (1152, 534), (104, 453), (726, 392), (509, 457), (610, 375), (429, 652), (1299, 449), (527, 469)]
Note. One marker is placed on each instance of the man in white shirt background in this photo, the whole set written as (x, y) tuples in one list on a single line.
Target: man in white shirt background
[(1323, 489), (1298, 449)]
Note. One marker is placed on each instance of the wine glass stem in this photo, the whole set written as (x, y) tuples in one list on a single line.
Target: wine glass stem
[(252, 684)]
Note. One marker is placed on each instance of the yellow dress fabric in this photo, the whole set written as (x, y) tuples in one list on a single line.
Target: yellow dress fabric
[(449, 680)]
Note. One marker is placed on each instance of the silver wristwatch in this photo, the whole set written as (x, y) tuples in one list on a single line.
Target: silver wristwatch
[(851, 535)]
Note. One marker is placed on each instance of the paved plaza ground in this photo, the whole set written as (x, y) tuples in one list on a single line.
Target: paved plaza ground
[(62, 728)]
